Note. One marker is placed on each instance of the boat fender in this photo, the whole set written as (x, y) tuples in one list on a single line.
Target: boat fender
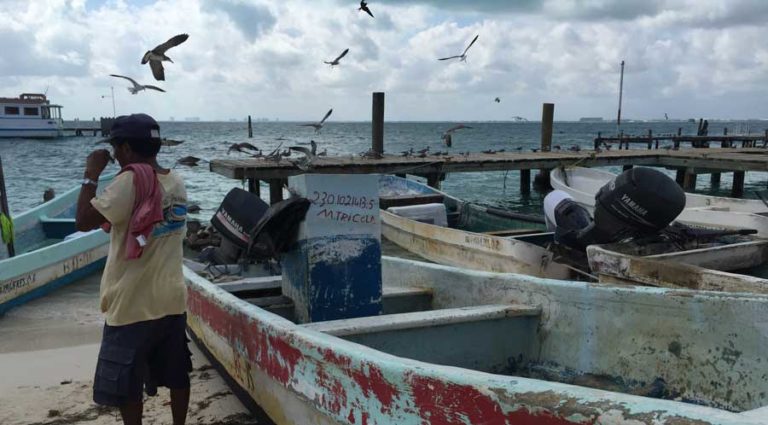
[(6, 229)]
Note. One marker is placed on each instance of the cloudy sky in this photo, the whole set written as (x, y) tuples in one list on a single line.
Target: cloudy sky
[(688, 58)]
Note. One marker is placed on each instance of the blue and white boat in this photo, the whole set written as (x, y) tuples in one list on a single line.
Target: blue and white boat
[(50, 253), (31, 115)]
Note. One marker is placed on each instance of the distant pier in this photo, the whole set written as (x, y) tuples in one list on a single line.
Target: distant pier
[(82, 128)]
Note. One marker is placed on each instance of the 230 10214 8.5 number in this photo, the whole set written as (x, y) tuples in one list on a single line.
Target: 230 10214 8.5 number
[(322, 199)]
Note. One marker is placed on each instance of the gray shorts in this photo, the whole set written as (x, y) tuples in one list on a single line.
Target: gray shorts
[(154, 352)]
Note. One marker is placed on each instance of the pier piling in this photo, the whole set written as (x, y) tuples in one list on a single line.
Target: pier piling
[(547, 119), (689, 180), (737, 191), (377, 123), (254, 186), (525, 181), (250, 128)]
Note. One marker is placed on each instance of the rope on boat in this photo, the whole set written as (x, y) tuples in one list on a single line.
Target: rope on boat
[(6, 229)]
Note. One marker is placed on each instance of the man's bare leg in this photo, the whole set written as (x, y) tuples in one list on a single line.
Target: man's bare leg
[(131, 412), (179, 405)]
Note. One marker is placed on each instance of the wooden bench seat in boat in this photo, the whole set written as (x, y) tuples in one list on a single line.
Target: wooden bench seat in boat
[(491, 338), (412, 199), (58, 228)]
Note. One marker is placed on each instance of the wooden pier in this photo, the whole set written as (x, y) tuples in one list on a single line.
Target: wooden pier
[(689, 162), (81, 128), (652, 141)]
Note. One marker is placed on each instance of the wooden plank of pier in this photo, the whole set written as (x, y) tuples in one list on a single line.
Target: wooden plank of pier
[(724, 159)]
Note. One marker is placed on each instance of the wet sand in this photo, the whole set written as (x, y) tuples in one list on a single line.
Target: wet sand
[(48, 351)]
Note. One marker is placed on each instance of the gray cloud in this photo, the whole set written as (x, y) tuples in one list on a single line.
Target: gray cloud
[(473, 5), (253, 20), (20, 58)]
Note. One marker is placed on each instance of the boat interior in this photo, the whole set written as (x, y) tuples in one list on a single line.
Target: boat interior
[(45, 232), (635, 341)]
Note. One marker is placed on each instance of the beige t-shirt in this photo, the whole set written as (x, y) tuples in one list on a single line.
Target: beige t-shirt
[(151, 286)]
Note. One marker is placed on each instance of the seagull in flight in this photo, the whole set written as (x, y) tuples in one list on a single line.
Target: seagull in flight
[(447, 136), (156, 56), (497, 100), (319, 125), (364, 8), (462, 57), (136, 86), (336, 61)]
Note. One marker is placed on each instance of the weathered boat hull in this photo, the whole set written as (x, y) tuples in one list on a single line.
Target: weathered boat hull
[(46, 261), (706, 347), (583, 183), (462, 248)]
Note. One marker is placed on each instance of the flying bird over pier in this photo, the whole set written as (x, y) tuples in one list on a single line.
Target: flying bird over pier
[(497, 100), (447, 136), (319, 125), (364, 8), (462, 57), (336, 61), (136, 86), (156, 56)]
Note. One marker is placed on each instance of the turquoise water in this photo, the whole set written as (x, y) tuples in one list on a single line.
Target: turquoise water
[(31, 166)]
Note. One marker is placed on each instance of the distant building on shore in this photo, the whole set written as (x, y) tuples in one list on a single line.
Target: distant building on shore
[(591, 119)]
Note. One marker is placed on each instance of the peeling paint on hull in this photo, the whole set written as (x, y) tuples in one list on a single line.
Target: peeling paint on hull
[(299, 376)]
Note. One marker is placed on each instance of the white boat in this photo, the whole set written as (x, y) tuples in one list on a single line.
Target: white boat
[(584, 183), (462, 234), (50, 253), (31, 115)]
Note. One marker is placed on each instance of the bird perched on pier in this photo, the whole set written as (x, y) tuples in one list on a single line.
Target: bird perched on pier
[(319, 125), (242, 148), (407, 153), (463, 56), (336, 61), (190, 161), (556, 147), (447, 136), (575, 148), (136, 86), (313, 147), (157, 56), (364, 8)]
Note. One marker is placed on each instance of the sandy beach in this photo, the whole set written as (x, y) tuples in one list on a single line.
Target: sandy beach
[(48, 351)]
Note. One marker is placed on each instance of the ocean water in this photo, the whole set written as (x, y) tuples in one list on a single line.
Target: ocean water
[(31, 166)]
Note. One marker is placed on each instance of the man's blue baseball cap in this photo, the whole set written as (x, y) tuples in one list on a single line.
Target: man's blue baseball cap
[(134, 126)]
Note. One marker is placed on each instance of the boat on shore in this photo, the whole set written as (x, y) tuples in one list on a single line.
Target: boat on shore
[(469, 347), (31, 115), (50, 253), (446, 230), (583, 184)]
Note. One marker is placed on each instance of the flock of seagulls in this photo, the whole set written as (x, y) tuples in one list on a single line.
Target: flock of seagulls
[(155, 58)]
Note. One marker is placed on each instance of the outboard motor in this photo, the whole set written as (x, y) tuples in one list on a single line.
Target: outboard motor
[(637, 203), (277, 230), (235, 219)]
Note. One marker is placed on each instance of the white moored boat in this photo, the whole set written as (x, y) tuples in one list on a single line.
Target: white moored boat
[(583, 184), (31, 115)]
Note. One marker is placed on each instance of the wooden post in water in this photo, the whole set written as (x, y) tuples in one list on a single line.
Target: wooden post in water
[(275, 191), (250, 128), (677, 142), (254, 186), (525, 181), (680, 176), (547, 119), (689, 180), (4, 206), (377, 123), (650, 138), (714, 178), (737, 191)]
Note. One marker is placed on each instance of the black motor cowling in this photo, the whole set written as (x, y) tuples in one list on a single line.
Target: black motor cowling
[(638, 202), (235, 219)]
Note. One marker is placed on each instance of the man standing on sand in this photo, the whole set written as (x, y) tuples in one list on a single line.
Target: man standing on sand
[(142, 289)]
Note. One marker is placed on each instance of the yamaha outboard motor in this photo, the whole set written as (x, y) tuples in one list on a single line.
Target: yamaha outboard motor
[(637, 203), (235, 219), (277, 230)]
